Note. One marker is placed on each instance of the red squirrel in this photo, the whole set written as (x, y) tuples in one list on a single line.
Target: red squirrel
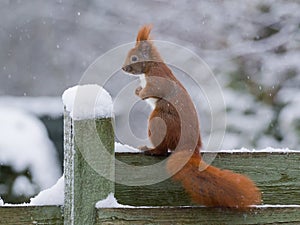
[(173, 125)]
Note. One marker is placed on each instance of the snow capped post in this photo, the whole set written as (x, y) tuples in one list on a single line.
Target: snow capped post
[(89, 151)]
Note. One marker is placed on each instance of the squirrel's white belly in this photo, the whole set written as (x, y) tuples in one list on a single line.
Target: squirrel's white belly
[(143, 80), (150, 101)]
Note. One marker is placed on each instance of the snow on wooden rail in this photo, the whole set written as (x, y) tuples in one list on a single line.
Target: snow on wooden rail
[(90, 169)]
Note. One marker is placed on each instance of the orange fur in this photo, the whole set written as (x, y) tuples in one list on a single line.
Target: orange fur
[(211, 186), (144, 33), (180, 133)]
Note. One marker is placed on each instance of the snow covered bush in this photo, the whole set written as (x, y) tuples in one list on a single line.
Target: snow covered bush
[(28, 162), (253, 48)]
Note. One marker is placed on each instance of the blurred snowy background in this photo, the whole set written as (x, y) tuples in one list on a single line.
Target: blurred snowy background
[(253, 48)]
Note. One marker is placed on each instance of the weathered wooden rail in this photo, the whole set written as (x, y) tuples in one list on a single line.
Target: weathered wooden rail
[(276, 174), (53, 215)]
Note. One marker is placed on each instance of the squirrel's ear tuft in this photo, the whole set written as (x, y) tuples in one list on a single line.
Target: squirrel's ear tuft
[(144, 32)]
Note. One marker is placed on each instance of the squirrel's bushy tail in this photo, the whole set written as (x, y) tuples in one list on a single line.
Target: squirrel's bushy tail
[(211, 186)]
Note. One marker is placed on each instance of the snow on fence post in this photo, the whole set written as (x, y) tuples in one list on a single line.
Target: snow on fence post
[(89, 152)]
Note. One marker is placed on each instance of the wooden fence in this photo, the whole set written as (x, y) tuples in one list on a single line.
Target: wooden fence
[(277, 175)]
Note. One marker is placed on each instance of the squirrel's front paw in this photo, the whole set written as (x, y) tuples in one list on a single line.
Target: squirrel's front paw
[(137, 91), (144, 148)]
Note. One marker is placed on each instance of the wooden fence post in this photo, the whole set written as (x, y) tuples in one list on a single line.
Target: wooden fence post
[(89, 158)]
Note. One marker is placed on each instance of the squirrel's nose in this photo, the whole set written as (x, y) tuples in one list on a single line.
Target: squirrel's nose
[(127, 68)]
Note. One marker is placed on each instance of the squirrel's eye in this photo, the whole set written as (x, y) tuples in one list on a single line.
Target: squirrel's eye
[(134, 58)]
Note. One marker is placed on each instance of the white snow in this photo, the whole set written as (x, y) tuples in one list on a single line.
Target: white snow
[(110, 202), (51, 196), (39, 106), (265, 150), (246, 118), (289, 118), (123, 148), (23, 186), (87, 102), (277, 206), (25, 145)]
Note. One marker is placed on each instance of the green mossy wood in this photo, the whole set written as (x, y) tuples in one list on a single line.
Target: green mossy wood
[(89, 170), (276, 174)]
